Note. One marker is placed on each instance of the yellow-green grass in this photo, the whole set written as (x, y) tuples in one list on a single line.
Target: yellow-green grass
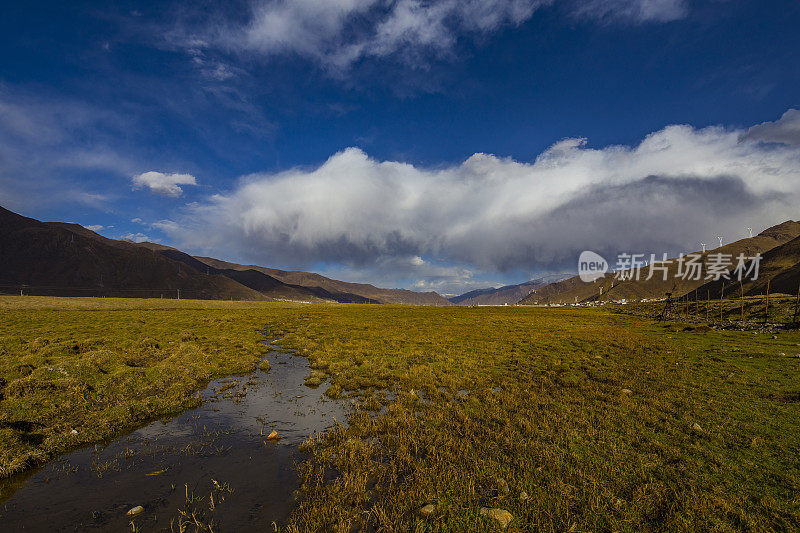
[(543, 406), (102, 366), (590, 413), (777, 309)]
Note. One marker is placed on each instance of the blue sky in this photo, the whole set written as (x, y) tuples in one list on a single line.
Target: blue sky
[(436, 145)]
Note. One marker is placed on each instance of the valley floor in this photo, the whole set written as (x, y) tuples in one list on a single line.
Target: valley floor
[(568, 419)]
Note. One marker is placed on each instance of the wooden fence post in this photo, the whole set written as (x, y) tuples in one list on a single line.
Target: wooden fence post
[(741, 297), (796, 304)]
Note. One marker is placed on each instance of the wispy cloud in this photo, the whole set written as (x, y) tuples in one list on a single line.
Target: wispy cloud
[(675, 188), (43, 142), (339, 33), (637, 11)]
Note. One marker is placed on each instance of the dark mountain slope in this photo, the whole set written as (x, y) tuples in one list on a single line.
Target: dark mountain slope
[(573, 289), (69, 260), (780, 267)]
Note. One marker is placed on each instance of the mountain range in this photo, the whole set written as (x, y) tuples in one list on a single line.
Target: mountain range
[(777, 245), (507, 295), (62, 259)]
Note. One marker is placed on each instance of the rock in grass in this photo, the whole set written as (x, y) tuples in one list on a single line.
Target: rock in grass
[(136, 510), (627, 391), (273, 436), (503, 486), (523, 496), (781, 354), (426, 511), (696, 429), (501, 516)]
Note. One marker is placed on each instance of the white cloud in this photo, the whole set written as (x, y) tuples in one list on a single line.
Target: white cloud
[(161, 183), (338, 33), (136, 237), (785, 130), (677, 187), (94, 227)]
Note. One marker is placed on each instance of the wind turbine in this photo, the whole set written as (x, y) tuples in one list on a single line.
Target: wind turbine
[(704, 246), (751, 232), (720, 241)]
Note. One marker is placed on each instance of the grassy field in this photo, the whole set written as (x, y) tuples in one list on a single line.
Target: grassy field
[(778, 309), (101, 366), (604, 421)]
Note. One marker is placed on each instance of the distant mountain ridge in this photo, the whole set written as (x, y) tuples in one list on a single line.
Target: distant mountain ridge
[(331, 288), (509, 294), (63, 259)]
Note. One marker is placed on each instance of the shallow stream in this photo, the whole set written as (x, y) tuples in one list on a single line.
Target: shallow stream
[(211, 464)]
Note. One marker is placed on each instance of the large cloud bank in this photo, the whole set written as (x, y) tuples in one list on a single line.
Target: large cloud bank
[(677, 187)]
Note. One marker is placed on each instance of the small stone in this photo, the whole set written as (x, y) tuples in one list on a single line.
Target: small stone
[(523, 496), (426, 511), (501, 516), (627, 391), (136, 510), (273, 436), (781, 354), (74, 432), (503, 486), (697, 429), (774, 336)]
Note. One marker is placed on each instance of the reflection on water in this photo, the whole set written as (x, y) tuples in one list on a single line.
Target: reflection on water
[(213, 462)]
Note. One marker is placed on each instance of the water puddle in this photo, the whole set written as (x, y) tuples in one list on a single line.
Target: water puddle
[(213, 463)]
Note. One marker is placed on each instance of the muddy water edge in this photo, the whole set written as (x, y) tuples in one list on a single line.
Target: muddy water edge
[(213, 464)]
